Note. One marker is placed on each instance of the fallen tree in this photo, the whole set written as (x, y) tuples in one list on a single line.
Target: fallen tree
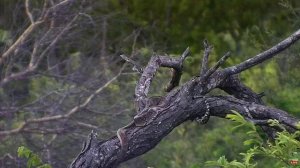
[(157, 117)]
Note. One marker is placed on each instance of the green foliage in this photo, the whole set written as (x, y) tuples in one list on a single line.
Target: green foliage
[(4, 36), (284, 149), (251, 129), (190, 145), (246, 29), (33, 160), (222, 161)]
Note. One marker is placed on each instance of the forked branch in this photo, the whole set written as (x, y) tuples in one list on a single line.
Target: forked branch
[(176, 73), (180, 105), (143, 85)]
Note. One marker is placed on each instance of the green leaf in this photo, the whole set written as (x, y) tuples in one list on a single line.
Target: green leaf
[(237, 164), (24, 152), (21, 151), (36, 161), (249, 155), (222, 161), (4, 35), (251, 142), (33, 159), (298, 125)]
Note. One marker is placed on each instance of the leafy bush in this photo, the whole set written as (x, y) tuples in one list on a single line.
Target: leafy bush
[(283, 152)]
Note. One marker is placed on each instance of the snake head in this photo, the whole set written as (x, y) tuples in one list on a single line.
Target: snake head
[(121, 134)]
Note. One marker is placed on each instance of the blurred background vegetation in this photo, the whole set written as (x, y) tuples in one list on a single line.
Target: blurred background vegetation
[(86, 57)]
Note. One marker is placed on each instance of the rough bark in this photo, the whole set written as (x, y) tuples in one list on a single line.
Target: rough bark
[(188, 102)]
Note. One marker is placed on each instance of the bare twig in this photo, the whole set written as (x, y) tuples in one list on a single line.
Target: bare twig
[(29, 14), (89, 17), (259, 58), (207, 50), (35, 60), (216, 66), (136, 66), (19, 41), (33, 55), (33, 26), (185, 54), (103, 41), (62, 32), (87, 125), (62, 116)]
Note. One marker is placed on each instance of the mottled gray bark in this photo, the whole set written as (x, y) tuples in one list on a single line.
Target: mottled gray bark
[(188, 102)]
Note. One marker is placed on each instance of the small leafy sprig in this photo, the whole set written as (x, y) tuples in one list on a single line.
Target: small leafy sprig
[(33, 160)]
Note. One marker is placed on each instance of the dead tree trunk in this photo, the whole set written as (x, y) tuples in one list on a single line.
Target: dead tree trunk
[(156, 118)]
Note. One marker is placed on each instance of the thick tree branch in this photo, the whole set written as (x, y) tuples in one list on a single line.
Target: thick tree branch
[(189, 102), (233, 86), (142, 139), (221, 104)]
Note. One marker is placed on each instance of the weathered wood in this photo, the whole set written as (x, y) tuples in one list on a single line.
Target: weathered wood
[(188, 102)]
